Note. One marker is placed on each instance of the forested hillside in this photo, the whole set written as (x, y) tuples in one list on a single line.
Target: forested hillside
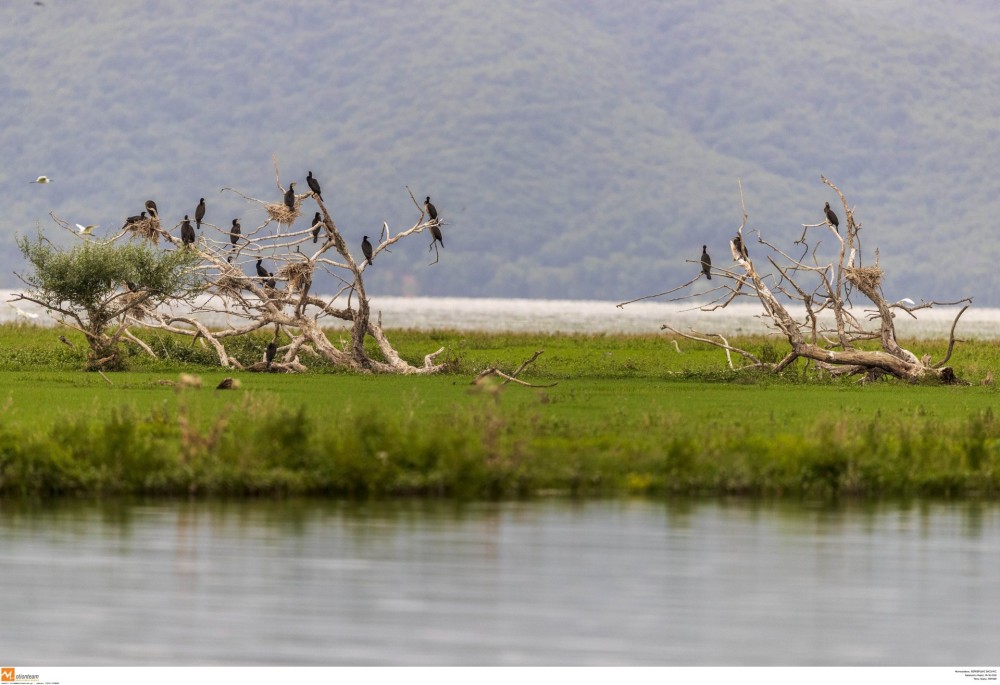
[(575, 149)]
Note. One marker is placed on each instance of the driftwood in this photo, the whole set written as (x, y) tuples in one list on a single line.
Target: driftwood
[(511, 378), (824, 291)]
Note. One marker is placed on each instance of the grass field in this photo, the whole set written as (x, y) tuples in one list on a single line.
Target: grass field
[(628, 414)]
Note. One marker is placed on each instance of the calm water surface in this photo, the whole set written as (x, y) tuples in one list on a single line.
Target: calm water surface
[(530, 583)]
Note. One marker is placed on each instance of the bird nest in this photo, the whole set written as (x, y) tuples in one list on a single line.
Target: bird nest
[(228, 284), (297, 275), (139, 306), (865, 277), (280, 212), (148, 228)]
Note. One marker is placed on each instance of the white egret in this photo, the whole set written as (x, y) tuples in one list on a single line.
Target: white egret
[(42, 179), (86, 230), (23, 314)]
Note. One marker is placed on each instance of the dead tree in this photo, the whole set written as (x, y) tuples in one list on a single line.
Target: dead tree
[(283, 299), (827, 327), (236, 286)]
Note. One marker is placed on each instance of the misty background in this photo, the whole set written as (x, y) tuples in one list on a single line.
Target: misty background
[(575, 149)]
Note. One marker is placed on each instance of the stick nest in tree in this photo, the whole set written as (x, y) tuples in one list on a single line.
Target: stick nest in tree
[(280, 212), (864, 276), (296, 275), (228, 284), (148, 228)]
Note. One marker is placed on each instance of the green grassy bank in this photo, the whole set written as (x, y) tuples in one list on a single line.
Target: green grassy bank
[(629, 414)]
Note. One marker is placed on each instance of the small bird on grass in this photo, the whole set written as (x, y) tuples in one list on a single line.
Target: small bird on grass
[(228, 384)]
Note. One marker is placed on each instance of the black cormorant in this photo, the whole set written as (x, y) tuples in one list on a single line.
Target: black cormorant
[(706, 262), (290, 196), (317, 224), (270, 283), (234, 232), (431, 210), (314, 185), (261, 271), (436, 233), (199, 212), (151, 208), (366, 247), (831, 216), (272, 349), (134, 219), (187, 233), (741, 249)]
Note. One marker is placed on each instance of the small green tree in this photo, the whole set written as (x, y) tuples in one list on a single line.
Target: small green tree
[(97, 286)]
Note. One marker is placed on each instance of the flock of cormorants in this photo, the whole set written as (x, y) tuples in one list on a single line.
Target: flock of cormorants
[(740, 246), (188, 234)]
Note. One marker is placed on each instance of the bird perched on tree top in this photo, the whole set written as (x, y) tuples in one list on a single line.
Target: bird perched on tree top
[(234, 232), (317, 224), (261, 271), (366, 247), (741, 249), (831, 217), (290, 196), (314, 185), (134, 219), (199, 212), (706, 262), (151, 208), (431, 210), (187, 232)]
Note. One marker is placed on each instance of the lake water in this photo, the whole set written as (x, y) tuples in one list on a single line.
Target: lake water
[(592, 316), (622, 582)]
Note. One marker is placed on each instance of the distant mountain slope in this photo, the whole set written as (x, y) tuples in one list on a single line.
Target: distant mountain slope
[(576, 150)]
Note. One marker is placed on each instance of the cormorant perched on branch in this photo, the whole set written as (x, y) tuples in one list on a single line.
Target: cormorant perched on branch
[(199, 212), (134, 219), (151, 208), (314, 185), (831, 217), (436, 233), (740, 247), (272, 349), (270, 283), (317, 224), (706, 262), (290, 196), (431, 210), (234, 232), (187, 233), (261, 271), (366, 247)]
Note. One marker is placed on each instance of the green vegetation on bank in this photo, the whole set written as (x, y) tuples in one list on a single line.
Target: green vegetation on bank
[(629, 414)]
